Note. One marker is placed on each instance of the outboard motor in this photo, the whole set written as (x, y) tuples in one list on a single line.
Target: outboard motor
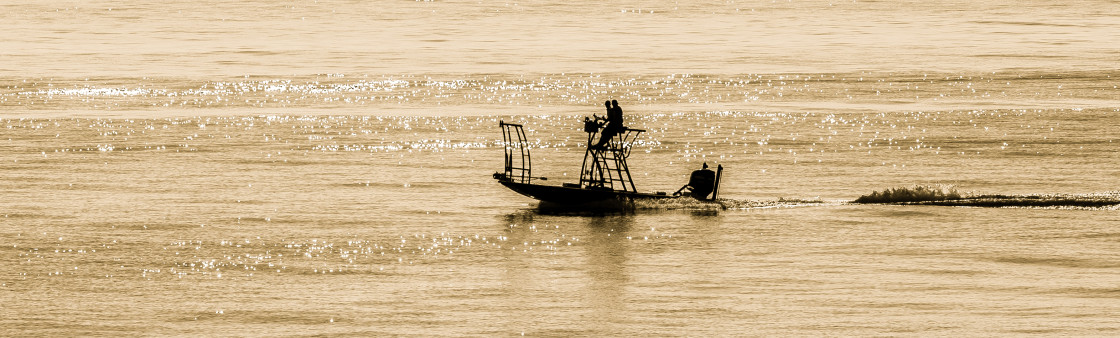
[(702, 182)]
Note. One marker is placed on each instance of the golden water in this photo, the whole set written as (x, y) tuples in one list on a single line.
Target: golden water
[(278, 168)]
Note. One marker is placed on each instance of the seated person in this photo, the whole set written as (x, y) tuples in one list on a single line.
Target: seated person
[(614, 124)]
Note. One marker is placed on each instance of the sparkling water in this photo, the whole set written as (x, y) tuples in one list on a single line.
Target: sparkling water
[(324, 168)]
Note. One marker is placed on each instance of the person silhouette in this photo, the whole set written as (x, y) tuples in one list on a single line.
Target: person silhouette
[(615, 114), (614, 124)]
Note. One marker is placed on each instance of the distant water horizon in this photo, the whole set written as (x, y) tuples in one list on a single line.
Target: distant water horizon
[(445, 58), (263, 38)]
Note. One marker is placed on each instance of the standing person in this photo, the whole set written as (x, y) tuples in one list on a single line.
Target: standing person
[(614, 124)]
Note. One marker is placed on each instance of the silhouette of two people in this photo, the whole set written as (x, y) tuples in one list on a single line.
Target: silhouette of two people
[(614, 124)]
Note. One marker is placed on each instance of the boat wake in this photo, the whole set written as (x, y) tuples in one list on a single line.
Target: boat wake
[(948, 196), (1094, 201), (688, 203)]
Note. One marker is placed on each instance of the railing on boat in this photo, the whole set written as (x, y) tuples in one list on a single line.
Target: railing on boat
[(518, 166), (606, 168)]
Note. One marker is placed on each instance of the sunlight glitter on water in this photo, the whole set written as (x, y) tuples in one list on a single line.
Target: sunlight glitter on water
[(835, 91), (244, 258), (896, 140), (405, 203), (344, 186)]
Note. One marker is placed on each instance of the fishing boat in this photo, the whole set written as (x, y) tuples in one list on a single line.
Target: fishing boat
[(604, 180)]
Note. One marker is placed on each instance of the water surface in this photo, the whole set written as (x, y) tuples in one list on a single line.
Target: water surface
[(268, 168)]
